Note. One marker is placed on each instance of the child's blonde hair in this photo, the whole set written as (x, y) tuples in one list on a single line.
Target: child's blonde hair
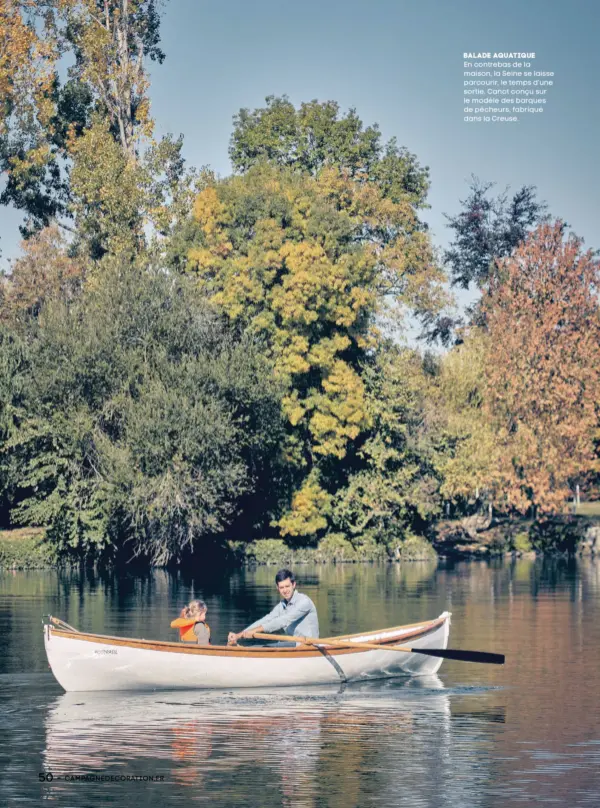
[(195, 608)]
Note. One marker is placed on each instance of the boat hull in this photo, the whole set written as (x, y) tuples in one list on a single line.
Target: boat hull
[(91, 662)]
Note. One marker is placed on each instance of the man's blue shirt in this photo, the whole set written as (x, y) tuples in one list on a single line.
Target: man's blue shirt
[(296, 617)]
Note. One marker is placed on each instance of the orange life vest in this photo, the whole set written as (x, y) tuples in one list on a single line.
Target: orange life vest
[(186, 628)]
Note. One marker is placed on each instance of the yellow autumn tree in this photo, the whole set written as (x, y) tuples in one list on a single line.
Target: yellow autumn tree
[(307, 264)]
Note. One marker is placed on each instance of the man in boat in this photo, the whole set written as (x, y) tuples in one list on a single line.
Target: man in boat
[(295, 614)]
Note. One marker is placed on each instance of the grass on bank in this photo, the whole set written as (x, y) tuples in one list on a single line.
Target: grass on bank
[(587, 509)]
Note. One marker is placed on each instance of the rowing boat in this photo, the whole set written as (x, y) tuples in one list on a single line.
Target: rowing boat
[(85, 662)]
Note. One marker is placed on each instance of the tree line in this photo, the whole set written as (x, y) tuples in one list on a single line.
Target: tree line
[(185, 357)]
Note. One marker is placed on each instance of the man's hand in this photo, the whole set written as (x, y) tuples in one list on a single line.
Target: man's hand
[(232, 637), (249, 635)]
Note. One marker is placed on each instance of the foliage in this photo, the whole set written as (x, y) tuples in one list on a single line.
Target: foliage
[(414, 548), (229, 372), (521, 542), (558, 535), (485, 231), (43, 271), (110, 40), (85, 149), (29, 50), (392, 485), (108, 196), (315, 136), (27, 548), (14, 363), (141, 417), (336, 547), (488, 229), (332, 548), (465, 453), (309, 511), (543, 376), (268, 551), (307, 263)]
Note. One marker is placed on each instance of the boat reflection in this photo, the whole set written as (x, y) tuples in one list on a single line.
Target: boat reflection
[(290, 739)]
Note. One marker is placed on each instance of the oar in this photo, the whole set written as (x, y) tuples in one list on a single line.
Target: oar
[(444, 653)]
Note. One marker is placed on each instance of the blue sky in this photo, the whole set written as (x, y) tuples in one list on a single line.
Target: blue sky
[(400, 64)]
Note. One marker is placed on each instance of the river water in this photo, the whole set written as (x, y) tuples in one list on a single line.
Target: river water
[(475, 735)]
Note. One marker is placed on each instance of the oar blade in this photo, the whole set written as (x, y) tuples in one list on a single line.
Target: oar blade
[(463, 656)]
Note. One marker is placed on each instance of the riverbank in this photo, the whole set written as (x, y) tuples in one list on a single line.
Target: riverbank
[(468, 537), (27, 548), (475, 537)]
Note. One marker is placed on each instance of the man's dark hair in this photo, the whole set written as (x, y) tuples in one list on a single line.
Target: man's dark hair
[(283, 575)]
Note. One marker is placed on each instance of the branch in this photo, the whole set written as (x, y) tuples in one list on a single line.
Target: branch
[(67, 227)]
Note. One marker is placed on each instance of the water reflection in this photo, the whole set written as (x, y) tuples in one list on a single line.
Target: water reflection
[(363, 742), (291, 739)]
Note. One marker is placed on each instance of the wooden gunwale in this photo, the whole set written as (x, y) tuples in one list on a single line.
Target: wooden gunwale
[(241, 651), (427, 624)]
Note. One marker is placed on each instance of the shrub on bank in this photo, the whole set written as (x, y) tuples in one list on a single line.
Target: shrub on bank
[(414, 548), (333, 548), (26, 549), (521, 542)]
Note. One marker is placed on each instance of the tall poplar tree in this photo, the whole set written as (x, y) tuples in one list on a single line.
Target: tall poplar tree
[(84, 148)]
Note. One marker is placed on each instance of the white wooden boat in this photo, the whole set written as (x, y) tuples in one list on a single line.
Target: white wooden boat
[(84, 662)]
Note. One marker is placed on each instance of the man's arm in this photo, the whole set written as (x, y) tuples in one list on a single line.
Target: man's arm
[(293, 613), (258, 625), (273, 614)]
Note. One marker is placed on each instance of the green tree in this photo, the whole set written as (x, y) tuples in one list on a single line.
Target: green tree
[(392, 487), (138, 416), (13, 368), (462, 432), (316, 136)]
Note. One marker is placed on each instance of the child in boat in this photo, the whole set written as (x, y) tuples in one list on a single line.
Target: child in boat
[(192, 623)]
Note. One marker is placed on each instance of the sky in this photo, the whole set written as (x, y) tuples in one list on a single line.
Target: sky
[(398, 63)]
